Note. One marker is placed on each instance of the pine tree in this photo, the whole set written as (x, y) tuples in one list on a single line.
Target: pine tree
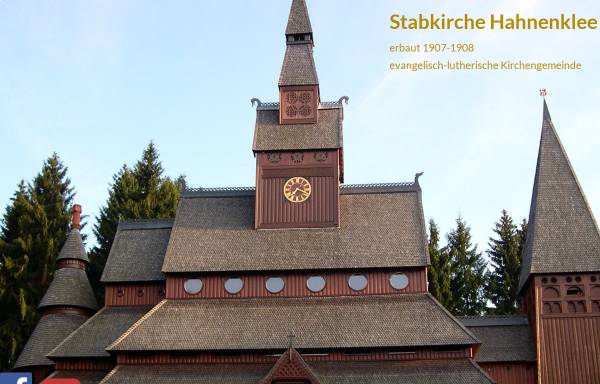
[(17, 293), (505, 257), (34, 227), (52, 197), (439, 270), (139, 193), (469, 273)]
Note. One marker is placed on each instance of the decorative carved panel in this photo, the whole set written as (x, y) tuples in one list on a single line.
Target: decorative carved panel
[(298, 105)]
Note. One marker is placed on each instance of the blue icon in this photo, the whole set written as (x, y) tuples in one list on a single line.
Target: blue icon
[(15, 378)]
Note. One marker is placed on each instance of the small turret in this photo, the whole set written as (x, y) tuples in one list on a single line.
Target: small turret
[(68, 303)]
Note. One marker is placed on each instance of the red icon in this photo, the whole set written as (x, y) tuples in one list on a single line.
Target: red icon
[(61, 381)]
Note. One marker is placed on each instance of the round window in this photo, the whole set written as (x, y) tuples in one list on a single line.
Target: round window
[(275, 284), (357, 282), (315, 283), (234, 285), (399, 281), (192, 286)]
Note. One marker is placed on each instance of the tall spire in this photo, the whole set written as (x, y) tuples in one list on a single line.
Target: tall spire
[(562, 235), (298, 64), (298, 22), (298, 82)]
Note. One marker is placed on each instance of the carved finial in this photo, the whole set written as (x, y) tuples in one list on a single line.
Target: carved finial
[(256, 101), (343, 99), (417, 176), (76, 217), (543, 92)]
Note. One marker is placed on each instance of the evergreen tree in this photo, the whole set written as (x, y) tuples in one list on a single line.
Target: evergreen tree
[(139, 193), (17, 293), (439, 270), (469, 273), (505, 257), (34, 227)]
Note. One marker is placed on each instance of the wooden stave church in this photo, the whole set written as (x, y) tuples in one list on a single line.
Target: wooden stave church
[(168, 315)]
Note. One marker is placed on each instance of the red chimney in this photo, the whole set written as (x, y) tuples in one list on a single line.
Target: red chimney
[(76, 218)]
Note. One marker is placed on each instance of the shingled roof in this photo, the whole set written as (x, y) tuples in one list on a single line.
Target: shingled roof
[(73, 247), (317, 323), (187, 374), (138, 252), (377, 230), (49, 332), (298, 21), (84, 377), (298, 66), (503, 338), (562, 234), (92, 338), (413, 372), (69, 288), (269, 135)]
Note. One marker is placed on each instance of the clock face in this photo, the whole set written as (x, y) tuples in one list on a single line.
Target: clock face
[(297, 189)]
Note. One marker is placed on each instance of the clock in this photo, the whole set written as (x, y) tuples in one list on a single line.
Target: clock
[(297, 189)]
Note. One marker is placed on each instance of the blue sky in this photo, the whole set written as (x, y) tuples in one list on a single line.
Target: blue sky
[(96, 80)]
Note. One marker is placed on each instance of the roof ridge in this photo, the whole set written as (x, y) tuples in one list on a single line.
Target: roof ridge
[(136, 324), (72, 334), (453, 318), (492, 321), (349, 189), (218, 192), (145, 224), (481, 370)]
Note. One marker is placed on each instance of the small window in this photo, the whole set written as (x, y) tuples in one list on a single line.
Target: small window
[(399, 281), (192, 286), (357, 282), (234, 285), (140, 292), (120, 292), (574, 291), (315, 283), (275, 284)]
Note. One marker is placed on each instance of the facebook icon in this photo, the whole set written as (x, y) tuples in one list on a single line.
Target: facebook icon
[(15, 378)]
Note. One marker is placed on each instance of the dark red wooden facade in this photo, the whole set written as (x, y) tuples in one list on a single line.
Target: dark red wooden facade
[(134, 294), (320, 168), (246, 358), (510, 373), (564, 311), (378, 283)]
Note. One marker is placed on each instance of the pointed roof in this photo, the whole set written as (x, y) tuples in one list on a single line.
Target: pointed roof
[(290, 366), (298, 66), (298, 22), (73, 247), (49, 332), (69, 288), (562, 235)]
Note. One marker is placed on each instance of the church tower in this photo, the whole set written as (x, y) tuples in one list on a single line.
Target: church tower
[(298, 141), (68, 303), (560, 275)]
